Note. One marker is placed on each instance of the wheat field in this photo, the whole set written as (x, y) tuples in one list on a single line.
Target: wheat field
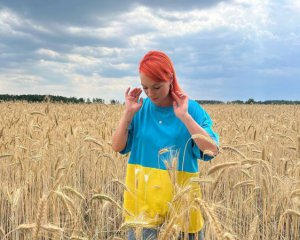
[(60, 179)]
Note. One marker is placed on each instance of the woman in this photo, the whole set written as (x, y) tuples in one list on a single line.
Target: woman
[(153, 130)]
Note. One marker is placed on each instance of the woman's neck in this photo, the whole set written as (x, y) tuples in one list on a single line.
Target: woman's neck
[(167, 102)]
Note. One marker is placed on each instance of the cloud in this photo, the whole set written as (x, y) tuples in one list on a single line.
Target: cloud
[(48, 52), (17, 81), (12, 23), (219, 48), (81, 13)]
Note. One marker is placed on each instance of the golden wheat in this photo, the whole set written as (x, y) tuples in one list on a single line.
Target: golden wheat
[(63, 152)]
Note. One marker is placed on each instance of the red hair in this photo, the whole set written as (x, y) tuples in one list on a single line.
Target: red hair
[(159, 67)]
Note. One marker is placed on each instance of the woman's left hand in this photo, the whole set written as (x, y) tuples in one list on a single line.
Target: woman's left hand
[(180, 104)]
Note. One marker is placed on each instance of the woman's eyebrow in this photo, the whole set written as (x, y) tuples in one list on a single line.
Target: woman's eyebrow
[(154, 85)]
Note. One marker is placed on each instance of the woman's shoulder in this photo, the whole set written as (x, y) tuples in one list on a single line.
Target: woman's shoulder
[(195, 109), (146, 102), (192, 101), (194, 104)]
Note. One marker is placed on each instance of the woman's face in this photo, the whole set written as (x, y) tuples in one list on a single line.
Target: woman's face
[(158, 92)]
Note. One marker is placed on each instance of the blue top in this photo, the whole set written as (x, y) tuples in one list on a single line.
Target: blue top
[(154, 128)]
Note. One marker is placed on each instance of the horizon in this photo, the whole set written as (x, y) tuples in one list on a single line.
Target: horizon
[(222, 50), (116, 101)]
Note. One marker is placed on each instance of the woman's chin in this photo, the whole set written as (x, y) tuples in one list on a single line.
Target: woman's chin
[(154, 99)]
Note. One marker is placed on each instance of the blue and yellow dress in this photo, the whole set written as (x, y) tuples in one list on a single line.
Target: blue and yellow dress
[(155, 137)]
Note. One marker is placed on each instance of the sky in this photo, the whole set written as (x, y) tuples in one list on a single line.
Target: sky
[(222, 50)]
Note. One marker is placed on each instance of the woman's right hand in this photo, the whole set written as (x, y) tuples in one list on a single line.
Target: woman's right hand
[(132, 102)]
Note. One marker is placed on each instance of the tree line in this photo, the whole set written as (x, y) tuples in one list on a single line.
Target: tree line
[(249, 101), (48, 98), (60, 99)]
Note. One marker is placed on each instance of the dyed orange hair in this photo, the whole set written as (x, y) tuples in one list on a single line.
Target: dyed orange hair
[(159, 67)]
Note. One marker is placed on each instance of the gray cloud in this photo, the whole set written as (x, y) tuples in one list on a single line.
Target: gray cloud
[(221, 49), (82, 13)]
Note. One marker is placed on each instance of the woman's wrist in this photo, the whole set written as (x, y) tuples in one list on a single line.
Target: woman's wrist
[(128, 114), (185, 118)]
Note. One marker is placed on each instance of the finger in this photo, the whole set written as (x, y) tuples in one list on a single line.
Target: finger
[(180, 93), (138, 93), (174, 104), (127, 91), (176, 100), (134, 92), (175, 97), (174, 93), (182, 96), (137, 96)]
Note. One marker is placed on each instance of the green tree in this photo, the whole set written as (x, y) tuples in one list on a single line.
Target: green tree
[(250, 101)]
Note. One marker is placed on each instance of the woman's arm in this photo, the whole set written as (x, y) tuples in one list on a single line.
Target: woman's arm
[(203, 141), (132, 105), (119, 138)]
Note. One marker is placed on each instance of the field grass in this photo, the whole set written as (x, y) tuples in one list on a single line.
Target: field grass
[(60, 179)]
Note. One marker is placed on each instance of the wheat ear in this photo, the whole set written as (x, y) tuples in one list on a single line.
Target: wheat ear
[(252, 229), (41, 216)]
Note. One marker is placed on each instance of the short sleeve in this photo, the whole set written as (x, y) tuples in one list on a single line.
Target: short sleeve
[(128, 146), (204, 120)]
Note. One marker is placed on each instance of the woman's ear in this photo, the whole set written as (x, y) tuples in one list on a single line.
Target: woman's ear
[(171, 82), (171, 78), (171, 86)]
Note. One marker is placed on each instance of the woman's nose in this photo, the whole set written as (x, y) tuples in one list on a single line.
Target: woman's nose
[(150, 93)]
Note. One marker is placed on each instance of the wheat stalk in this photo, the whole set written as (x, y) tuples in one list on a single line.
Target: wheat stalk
[(252, 229), (2, 232), (211, 215), (6, 155), (73, 191), (221, 166), (244, 183), (41, 216)]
